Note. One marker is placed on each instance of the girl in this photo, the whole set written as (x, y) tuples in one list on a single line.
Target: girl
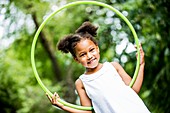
[(103, 85)]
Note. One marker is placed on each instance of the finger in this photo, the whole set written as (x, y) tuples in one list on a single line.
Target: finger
[(48, 97), (140, 45), (56, 95), (53, 98), (140, 48)]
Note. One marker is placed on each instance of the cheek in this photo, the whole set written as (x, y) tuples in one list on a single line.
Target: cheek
[(83, 63), (81, 60), (97, 53), (98, 56)]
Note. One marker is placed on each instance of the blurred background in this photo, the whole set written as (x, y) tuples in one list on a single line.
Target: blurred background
[(19, 20)]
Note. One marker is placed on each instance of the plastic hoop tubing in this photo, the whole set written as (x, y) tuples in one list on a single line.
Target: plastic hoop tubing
[(67, 6)]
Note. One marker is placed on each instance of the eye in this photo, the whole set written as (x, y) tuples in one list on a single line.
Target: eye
[(83, 54), (92, 49)]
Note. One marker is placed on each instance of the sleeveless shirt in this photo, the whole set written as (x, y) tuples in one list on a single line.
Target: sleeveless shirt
[(109, 94)]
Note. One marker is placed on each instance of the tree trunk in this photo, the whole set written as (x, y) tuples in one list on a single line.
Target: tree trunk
[(47, 48), (70, 95)]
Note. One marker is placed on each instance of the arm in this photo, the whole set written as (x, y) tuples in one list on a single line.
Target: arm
[(139, 80), (127, 79), (85, 101)]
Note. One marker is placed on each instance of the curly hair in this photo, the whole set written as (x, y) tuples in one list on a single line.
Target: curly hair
[(85, 31)]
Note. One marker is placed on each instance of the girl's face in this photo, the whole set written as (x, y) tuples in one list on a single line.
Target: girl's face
[(87, 53)]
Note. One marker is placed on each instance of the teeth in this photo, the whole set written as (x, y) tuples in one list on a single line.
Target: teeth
[(91, 61)]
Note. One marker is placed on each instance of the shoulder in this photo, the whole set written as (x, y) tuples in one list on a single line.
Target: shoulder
[(116, 65), (79, 84), (125, 77)]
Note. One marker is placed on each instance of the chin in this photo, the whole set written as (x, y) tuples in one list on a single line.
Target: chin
[(94, 66)]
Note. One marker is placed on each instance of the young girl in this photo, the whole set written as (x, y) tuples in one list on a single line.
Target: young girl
[(103, 85)]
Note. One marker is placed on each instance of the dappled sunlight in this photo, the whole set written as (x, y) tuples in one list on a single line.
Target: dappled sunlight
[(19, 89)]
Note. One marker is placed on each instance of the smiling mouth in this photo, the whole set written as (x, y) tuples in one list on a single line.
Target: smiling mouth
[(91, 61)]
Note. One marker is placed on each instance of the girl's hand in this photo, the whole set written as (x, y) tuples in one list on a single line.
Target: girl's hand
[(54, 100), (142, 54)]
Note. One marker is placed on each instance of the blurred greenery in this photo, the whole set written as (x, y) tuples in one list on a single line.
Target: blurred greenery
[(19, 90)]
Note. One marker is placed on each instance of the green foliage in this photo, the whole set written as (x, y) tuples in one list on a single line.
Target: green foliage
[(18, 87), (155, 35)]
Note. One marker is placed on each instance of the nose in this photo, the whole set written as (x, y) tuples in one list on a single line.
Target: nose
[(89, 56)]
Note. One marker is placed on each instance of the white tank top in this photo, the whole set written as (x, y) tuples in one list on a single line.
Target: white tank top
[(109, 94)]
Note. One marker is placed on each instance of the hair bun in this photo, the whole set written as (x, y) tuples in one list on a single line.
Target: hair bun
[(87, 27), (63, 45)]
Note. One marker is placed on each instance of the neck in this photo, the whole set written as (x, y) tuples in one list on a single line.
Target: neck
[(93, 70)]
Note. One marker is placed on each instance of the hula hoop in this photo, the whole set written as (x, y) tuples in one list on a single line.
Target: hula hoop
[(67, 6)]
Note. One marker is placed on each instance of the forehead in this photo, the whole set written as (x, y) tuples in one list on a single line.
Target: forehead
[(84, 44)]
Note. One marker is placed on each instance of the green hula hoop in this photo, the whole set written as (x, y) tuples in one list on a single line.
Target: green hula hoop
[(67, 6)]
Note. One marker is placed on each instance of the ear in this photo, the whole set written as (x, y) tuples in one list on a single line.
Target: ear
[(75, 58)]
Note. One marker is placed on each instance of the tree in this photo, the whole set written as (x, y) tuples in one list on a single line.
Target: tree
[(151, 22), (149, 18)]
